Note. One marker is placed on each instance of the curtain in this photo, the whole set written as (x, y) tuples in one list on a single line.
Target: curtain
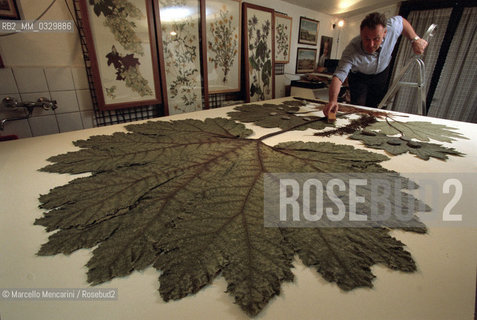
[(406, 99), (456, 93)]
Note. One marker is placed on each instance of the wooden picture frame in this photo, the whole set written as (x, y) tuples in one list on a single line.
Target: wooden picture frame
[(9, 10), (223, 37), (308, 32), (259, 53), (183, 67), (305, 60), (123, 55), (283, 29)]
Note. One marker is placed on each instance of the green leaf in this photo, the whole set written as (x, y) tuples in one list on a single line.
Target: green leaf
[(397, 146), (253, 64), (283, 116), (420, 130), (334, 252), (262, 50), (187, 197), (267, 71)]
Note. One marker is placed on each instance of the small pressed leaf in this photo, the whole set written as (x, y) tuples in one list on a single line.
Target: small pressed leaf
[(397, 146), (420, 130)]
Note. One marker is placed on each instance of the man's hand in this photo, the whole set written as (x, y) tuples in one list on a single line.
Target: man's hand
[(419, 45), (330, 110)]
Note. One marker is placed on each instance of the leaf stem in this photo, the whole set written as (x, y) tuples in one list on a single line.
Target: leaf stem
[(387, 121), (289, 129)]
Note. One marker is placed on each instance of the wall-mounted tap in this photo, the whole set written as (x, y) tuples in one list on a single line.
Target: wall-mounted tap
[(12, 103)]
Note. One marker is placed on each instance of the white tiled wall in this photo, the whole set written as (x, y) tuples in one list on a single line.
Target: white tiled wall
[(68, 86)]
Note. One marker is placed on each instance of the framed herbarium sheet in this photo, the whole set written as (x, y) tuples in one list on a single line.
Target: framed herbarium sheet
[(223, 45), (180, 29), (283, 28), (122, 47), (259, 52)]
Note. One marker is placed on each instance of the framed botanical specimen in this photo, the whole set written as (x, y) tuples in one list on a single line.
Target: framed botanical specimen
[(308, 33), (283, 28), (223, 22), (122, 46), (9, 10), (180, 28), (259, 52), (305, 60)]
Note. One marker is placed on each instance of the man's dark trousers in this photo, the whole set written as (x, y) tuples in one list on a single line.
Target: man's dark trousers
[(368, 89)]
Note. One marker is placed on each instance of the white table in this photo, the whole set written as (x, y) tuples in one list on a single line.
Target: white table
[(444, 286)]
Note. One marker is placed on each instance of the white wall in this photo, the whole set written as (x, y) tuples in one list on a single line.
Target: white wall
[(42, 49)]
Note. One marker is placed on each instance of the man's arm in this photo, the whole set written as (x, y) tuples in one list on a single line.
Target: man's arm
[(334, 90), (418, 45)]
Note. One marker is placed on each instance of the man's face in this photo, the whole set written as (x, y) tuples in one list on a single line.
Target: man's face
[(372, 38)]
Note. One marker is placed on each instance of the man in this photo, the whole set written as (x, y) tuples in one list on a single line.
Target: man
[(367, 58)]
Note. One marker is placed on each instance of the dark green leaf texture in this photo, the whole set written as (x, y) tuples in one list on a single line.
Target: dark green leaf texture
[(397, 146), (420, 130), (284, 116), (187, 197)]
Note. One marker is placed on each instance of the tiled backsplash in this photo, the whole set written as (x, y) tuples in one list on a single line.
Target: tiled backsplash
[(68, 86)]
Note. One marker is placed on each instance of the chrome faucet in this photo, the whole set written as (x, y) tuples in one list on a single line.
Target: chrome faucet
[(12, 103)]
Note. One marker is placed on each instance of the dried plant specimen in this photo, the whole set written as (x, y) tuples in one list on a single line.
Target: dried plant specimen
[(282, 39), (180, 40), (260, 58), (118, 14), (420, 130), (400, 145), (284, 116), (224, 44), (187, 198), (127, 70)]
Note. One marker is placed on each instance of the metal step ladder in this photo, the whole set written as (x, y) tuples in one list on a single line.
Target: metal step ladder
[(421, 78)]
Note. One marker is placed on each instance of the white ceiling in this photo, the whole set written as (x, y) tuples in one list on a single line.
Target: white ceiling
[(342, 8)]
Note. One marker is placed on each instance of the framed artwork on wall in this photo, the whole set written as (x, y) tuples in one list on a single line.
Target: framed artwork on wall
[(181, 29), (259, 52), (325, 51), (9, 10), (223, 30), (308, 32), (123, 53), (283, 28), (305, 60)]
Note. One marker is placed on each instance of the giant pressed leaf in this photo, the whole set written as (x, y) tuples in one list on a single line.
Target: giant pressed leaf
[(187, 197), (420, 130)]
